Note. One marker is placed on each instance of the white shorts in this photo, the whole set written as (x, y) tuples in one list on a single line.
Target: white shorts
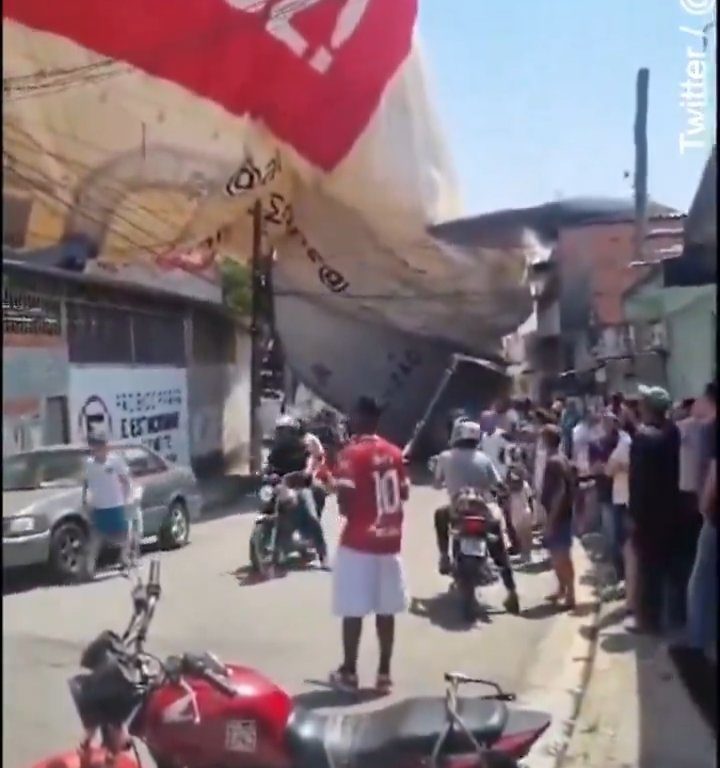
[(365, 583)]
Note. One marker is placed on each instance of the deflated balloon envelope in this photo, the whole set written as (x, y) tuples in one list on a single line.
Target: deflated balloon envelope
[(148, 131)]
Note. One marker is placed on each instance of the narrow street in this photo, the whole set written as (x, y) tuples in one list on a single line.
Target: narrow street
[(282, 627)]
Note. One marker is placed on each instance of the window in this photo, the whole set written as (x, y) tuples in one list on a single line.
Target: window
[(213, 339), (18, 473), (159, 339), (98, 334), (61, 465), (141, 462), (30, 314)]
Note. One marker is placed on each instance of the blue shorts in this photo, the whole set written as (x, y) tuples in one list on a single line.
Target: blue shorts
[(110, 522), (561, 538)]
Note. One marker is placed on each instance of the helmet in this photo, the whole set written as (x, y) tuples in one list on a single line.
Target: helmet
[(287, 422), (465, 431)]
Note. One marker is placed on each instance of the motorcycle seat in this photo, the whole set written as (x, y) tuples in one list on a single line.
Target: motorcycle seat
[(399, 732)]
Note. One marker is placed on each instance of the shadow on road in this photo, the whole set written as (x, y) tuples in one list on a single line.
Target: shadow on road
[(331, 697), (443, 610), (537, 566), (20, 580)]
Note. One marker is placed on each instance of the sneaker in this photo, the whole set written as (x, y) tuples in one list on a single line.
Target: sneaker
[(383, 684), (343, 680), (445, 566), (512, 604)]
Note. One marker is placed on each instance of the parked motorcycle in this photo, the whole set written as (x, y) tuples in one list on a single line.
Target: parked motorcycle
[(274, 539), (470, 561), (196, 711)]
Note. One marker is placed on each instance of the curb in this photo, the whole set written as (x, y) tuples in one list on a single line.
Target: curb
[(559, 688)]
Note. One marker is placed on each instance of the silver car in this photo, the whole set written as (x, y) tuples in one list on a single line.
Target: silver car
[(44, 522)]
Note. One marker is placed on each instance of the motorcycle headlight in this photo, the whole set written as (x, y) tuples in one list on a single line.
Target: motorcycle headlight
[(266, 494)]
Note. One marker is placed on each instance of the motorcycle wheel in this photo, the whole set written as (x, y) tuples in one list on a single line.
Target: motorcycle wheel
[(467, 599), (260, 558)]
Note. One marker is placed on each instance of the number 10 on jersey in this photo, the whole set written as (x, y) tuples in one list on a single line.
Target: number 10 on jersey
[(387, 493)]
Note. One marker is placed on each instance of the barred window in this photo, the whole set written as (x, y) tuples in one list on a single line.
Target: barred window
[(213, 340), (159, 339), (98, 334), (30, 314)]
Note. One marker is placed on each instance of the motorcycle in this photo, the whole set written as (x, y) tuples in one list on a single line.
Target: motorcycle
[(196, 711), (274, 539), (469, 557)]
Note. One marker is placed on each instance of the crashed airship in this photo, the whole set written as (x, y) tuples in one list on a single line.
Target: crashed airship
[(152, 127)]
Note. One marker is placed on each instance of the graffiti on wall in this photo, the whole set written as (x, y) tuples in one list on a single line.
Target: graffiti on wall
[(144, 405)]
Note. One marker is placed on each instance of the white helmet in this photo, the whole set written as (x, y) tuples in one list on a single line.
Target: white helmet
[(466, 430), (287, 422)]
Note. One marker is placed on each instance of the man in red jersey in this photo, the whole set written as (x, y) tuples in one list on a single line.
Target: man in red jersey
[(367, 574)]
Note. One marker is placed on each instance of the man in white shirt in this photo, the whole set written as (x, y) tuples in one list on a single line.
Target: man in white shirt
[(617, 467), (495, 446), (107, 484)]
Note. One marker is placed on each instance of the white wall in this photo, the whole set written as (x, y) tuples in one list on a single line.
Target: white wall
[(132, 404), (219, 406)]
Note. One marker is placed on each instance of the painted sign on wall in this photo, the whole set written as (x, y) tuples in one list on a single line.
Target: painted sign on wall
[(145, 405)]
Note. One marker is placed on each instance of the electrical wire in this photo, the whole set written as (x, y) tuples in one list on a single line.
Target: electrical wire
[(86, 73)]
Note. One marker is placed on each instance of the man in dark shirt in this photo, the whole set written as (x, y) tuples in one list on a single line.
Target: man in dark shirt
[(702, 587), (289, 454), (557, 500), (654, 506)]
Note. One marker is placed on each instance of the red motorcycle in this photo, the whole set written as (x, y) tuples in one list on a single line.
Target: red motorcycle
[(193, 711)]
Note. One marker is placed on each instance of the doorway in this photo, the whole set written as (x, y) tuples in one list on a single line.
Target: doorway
[(57, 427)]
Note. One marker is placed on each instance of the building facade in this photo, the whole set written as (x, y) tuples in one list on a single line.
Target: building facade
[(81, 352), (579, 340)]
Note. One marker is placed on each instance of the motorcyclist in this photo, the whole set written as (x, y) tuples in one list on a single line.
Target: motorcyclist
[(289, 453), (464, 465)]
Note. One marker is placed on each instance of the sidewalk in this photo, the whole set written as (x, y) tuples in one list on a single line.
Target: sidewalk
[(636, 713)]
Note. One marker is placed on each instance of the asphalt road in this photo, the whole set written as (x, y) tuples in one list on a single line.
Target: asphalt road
[(282, 627)]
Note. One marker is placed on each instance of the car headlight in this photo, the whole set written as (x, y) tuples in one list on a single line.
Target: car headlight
[(21, 526), (266, 494)]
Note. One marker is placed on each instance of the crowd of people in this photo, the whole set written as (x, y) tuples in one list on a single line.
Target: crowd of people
[(642, 473)]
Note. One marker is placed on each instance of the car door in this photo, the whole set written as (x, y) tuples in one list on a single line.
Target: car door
[(152, 475)]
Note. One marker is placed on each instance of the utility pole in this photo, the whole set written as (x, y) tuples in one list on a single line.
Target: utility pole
[(258, 286), (641, 160)]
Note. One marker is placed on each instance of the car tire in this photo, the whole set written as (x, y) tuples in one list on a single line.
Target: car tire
[(68, 552), (175, 529)]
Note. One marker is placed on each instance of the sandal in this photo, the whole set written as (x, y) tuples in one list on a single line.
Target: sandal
[(383, 684), (343, 680)]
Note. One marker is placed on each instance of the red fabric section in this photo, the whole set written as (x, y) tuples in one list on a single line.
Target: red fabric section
[(227, 54)]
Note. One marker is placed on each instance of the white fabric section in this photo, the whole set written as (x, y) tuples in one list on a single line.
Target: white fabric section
[(365, 584)]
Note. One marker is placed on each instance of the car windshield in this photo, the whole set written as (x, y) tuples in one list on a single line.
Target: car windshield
[(28, 471)]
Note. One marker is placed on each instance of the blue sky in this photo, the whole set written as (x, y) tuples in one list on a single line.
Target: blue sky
[(537, 97)]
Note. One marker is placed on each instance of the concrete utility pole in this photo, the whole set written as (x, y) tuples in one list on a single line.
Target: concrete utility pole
[(258, 286), (641, 160)]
